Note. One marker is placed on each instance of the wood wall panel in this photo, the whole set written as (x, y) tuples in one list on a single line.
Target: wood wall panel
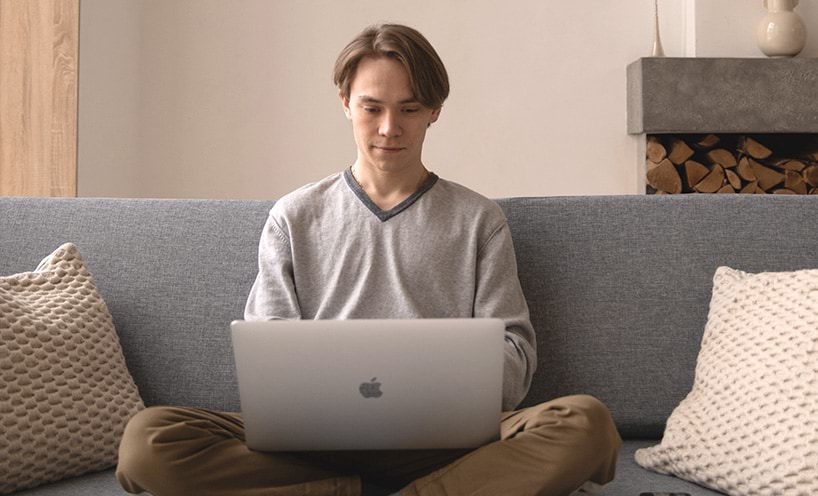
[(39, 52)]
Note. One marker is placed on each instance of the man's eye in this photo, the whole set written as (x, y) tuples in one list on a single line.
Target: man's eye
[(411, 110), (370, 110)]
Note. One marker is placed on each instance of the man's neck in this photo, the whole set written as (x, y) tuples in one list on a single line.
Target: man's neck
[(388, 189)]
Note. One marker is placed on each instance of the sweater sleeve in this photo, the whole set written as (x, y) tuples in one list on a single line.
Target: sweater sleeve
[(273, 295), (498, 295)]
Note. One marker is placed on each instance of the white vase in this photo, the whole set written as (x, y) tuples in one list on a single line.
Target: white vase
[(781, 33)]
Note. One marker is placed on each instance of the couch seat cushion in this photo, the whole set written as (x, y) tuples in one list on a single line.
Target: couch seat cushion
[(631, 479), (97, 484)]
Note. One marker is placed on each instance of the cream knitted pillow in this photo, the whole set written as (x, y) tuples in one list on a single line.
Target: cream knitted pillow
[(750, 424), (65, 392)]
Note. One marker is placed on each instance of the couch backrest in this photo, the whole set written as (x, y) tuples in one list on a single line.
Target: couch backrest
[(618, 287), (174, 274)]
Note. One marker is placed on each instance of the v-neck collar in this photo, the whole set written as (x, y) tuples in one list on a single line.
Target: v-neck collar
[(385, 215)]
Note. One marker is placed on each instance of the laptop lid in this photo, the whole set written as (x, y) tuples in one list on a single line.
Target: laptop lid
[(369, 384)]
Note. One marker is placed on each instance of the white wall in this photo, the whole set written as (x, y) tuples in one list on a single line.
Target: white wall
[(109, 159), (234, 99)]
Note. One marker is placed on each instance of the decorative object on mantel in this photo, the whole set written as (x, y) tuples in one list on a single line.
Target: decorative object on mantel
[(696, 163), (781, 33), (658, 51)]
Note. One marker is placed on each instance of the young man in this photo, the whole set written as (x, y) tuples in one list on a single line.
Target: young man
[(385, 238)]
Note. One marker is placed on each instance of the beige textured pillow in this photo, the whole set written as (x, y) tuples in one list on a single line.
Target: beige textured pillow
[(65, 392), (750, 424)]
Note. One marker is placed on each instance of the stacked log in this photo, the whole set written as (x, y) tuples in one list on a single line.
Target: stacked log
[(730, 164)]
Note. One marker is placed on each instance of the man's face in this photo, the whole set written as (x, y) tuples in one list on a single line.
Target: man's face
[(389, 124)]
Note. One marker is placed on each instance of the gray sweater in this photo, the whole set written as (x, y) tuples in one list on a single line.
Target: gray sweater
[(328, 252)]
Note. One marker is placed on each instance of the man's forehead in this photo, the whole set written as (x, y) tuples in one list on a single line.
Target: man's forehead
[(381, 80)]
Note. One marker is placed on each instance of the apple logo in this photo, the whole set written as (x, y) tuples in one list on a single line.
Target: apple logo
[(371, 389)]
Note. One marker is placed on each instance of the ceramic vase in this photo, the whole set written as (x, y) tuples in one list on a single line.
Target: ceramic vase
[(781, 33), (657, 50)]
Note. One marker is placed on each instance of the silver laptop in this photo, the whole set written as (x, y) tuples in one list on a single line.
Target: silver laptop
[(369, 384)]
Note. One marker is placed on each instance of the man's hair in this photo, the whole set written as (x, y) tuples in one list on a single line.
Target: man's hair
[(427, 75)]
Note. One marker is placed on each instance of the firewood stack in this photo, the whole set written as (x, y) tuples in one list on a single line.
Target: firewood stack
[(727, 164)]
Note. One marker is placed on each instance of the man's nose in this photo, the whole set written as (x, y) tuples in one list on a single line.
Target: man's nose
[(390, 125)]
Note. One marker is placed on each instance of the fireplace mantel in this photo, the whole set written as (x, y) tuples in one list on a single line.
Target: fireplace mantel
[(722, 95)]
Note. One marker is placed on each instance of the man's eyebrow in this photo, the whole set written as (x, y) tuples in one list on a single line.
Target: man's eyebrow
[(370, 99)]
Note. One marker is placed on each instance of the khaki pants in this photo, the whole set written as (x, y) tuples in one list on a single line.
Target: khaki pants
[(551, 449)]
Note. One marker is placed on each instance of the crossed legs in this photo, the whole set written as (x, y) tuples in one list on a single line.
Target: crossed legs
[(549, 449)]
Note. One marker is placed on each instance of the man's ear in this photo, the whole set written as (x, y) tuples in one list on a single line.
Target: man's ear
[(345, 103), (435, 115)]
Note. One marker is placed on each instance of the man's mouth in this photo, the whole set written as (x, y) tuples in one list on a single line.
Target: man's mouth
[(388, 149)]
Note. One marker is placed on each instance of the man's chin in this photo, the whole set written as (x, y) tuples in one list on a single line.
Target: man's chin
[(387, 164)]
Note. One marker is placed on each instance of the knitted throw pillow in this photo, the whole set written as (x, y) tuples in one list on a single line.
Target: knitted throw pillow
[(65, 392), (749, 426)]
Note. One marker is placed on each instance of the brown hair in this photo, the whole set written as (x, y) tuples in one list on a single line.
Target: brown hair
[(427, 75)]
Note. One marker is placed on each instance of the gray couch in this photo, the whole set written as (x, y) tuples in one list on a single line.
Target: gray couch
[(618, 288)]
